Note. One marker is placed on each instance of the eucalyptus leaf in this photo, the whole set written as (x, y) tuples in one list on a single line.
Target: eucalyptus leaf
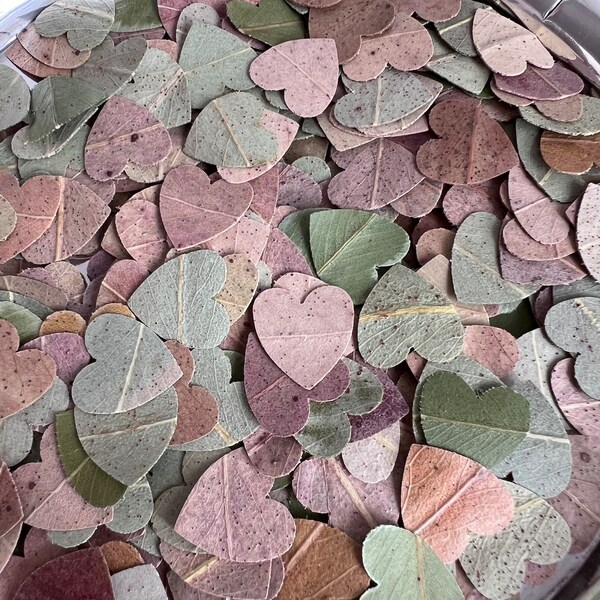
[(404, 312), (587, 124), (133, 511), (8, 159), (14, 97), (314, 166), (160, 85), (37, 308), (297, 227), (587, 287), (135, 15), (347, 247), (537, 534), (476, 264), (86, 22), (177, 300), (90, 481), (397, 559), (214, 61), (485, 428), (195, 13), (71, 539), (457, 32), (229, 133), (126, 445), (23, 320), (166, 473)]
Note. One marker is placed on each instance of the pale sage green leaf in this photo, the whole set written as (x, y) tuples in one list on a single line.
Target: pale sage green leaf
[(37, 308), (314, 166), (236, 421), (177, 300), (126, 445), (23, 320), (195, 13), (8, 159), (587, 287), (466, 72), (160, 85), (397, 559), (89, 481), (71, 539), (297, 227), (110, 67), (559, 186), (574, 326), (327, 431), (587, 124), (542, 461), (16, 431), (14, 97), (132, 366), (496, 564), (135, 15), (405, 312), (389, 98), (166, 511), (166, 473), (485, 428), (347, 247), (272, 21), (86, 22), (458, 31), (147, 540), (476, 264), (141, 582), (133, 511), (196, 463), (214, 61), (229, 132)]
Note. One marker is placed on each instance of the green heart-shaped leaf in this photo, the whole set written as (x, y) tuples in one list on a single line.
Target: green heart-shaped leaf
[(14, 97)]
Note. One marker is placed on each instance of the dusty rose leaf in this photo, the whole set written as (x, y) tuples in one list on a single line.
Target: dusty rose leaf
[(11, 510), (567, 109), (522, 245), (54, 52), (462, 200), (570, 154), (429, 10), (283, 256), (247, 237), (493, 347), (433, 243), (120, 281), (421, 200), (240, 286)]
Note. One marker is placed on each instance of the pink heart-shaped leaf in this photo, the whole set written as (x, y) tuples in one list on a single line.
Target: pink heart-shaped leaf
[(429, 10), (194, 211)]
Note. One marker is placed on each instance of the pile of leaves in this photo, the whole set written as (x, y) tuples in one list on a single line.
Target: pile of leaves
[(298, 299)]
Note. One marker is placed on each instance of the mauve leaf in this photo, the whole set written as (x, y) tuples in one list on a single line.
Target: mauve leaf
[(428, 323), (228, 492), (132, 366), (587, 124), (397, 559), (271, 455), (177, 300), (496, 564), (14, 97)]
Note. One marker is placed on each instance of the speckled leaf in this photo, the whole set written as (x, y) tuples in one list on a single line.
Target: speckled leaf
[(86, 22), (587, 124), (90, 481), (428, 323), (177, 300), (397, 559), (14, 97), (476, 264), (23, 320), (133, 511), (272, 21), (230, 132), (214, 61), (485, 428), (221, 496), (457, 32), (138, 583), (240, 286), (271, 455), (132, 366), (538, 534), (542, 462), (355, 507), (588, 232), (135, 15), (197, 12)]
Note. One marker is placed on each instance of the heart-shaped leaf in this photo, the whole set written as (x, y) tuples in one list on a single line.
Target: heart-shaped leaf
[(380, 173), (397, 559), (133, 511), (93, 484), (124, 132), (136, 15), (588, 231), (221, 497), (194, 210), (416, 313), (274, 456), (445, 496), (306, 69), (389, 98), (24, 376), (479, 148), (272, 21), (538, 534), (347, 247), (331, 564), (587, 124), (505, 46), (214, 61), (15, 97), (23, 320), (195, 13), (86, 22), (132, 366), (229, 132), (570, 154), (140, 581), (493, 347), (49, 500), (161, 86), (339, 22), (80, 215), (486, 429), (177, 300), (324, 486), (458, 31), (240, 286), (308, 345), (476, 264), (54, 52), (126, 445)]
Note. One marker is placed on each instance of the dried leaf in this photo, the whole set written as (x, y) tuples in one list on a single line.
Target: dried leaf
[(14, 97)]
